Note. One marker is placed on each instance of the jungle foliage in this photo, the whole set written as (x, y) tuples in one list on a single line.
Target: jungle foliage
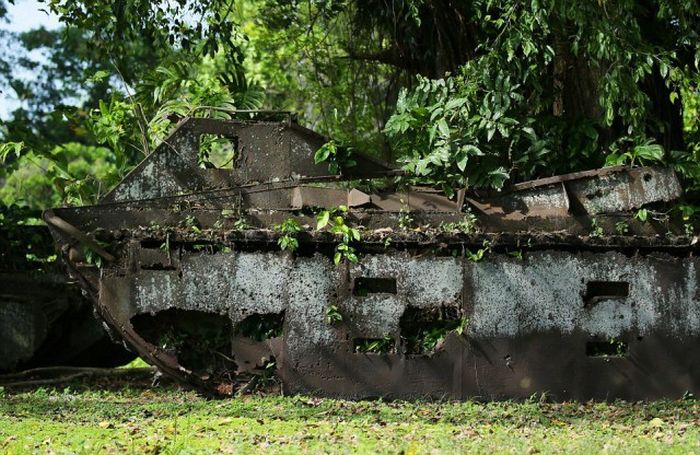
[(477, 93)]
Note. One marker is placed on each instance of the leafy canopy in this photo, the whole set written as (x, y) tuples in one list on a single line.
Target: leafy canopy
[(473, 93)]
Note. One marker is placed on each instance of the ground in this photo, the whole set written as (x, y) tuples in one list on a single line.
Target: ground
[(105, 415)]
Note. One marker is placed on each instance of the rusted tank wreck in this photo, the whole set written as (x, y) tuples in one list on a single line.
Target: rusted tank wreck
[(548, 287)]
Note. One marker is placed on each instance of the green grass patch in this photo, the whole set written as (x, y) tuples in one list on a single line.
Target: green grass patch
[(138, 362), (170, 420)]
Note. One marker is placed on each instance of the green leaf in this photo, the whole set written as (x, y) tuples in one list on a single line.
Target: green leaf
[(431, 133), (498, 177), (473, 150), (530, 132), (422, 167), (323, 153), (10, 148), (503, 130), (436, 113), (649, 152), (401, 104), (455, 103), (99, 76), (489, 133), (642, 215), (615, 160), (322, 219), (462, 162), (443, 127)]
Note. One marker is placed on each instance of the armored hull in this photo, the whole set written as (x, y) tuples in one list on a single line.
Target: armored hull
[(549, 287)]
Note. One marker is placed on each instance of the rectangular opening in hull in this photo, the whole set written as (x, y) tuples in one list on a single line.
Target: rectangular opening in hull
[(217, 151), (365, 285), (610, 348), (423, 330), (261, 327), (605, 290)]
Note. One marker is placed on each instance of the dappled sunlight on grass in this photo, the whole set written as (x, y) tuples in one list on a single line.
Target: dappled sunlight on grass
[(174, 420), (138, 362)]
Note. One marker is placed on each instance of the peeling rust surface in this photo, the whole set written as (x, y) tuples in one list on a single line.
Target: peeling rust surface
[(194, 281), (610, 190)]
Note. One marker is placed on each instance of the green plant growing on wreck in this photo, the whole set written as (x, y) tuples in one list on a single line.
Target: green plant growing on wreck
[(165, 246), (337, 156), (621, 227), (480, 253), (689, 215), (433, 337), (468, 225), (261, 327), (642, 215), (382, 345), (687, 211), (619, 348), (476, 256), (93, 257), (237, 214), (335, 218), (333, 315), (517, 254), (387, 242), (644, 154), (463, 326), (688, 229), (596, 229), (31, 257), (405, 219), (265, 376), (241, 224), (200, 247), (172, 341), (289, 228), (181, 206), (345, 251), (424, 331), (191, 223)]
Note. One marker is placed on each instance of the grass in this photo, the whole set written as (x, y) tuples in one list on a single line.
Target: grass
[(139, 419), (138, 362)]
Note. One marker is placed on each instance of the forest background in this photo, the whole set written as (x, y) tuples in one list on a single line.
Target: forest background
[(478, 93)]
